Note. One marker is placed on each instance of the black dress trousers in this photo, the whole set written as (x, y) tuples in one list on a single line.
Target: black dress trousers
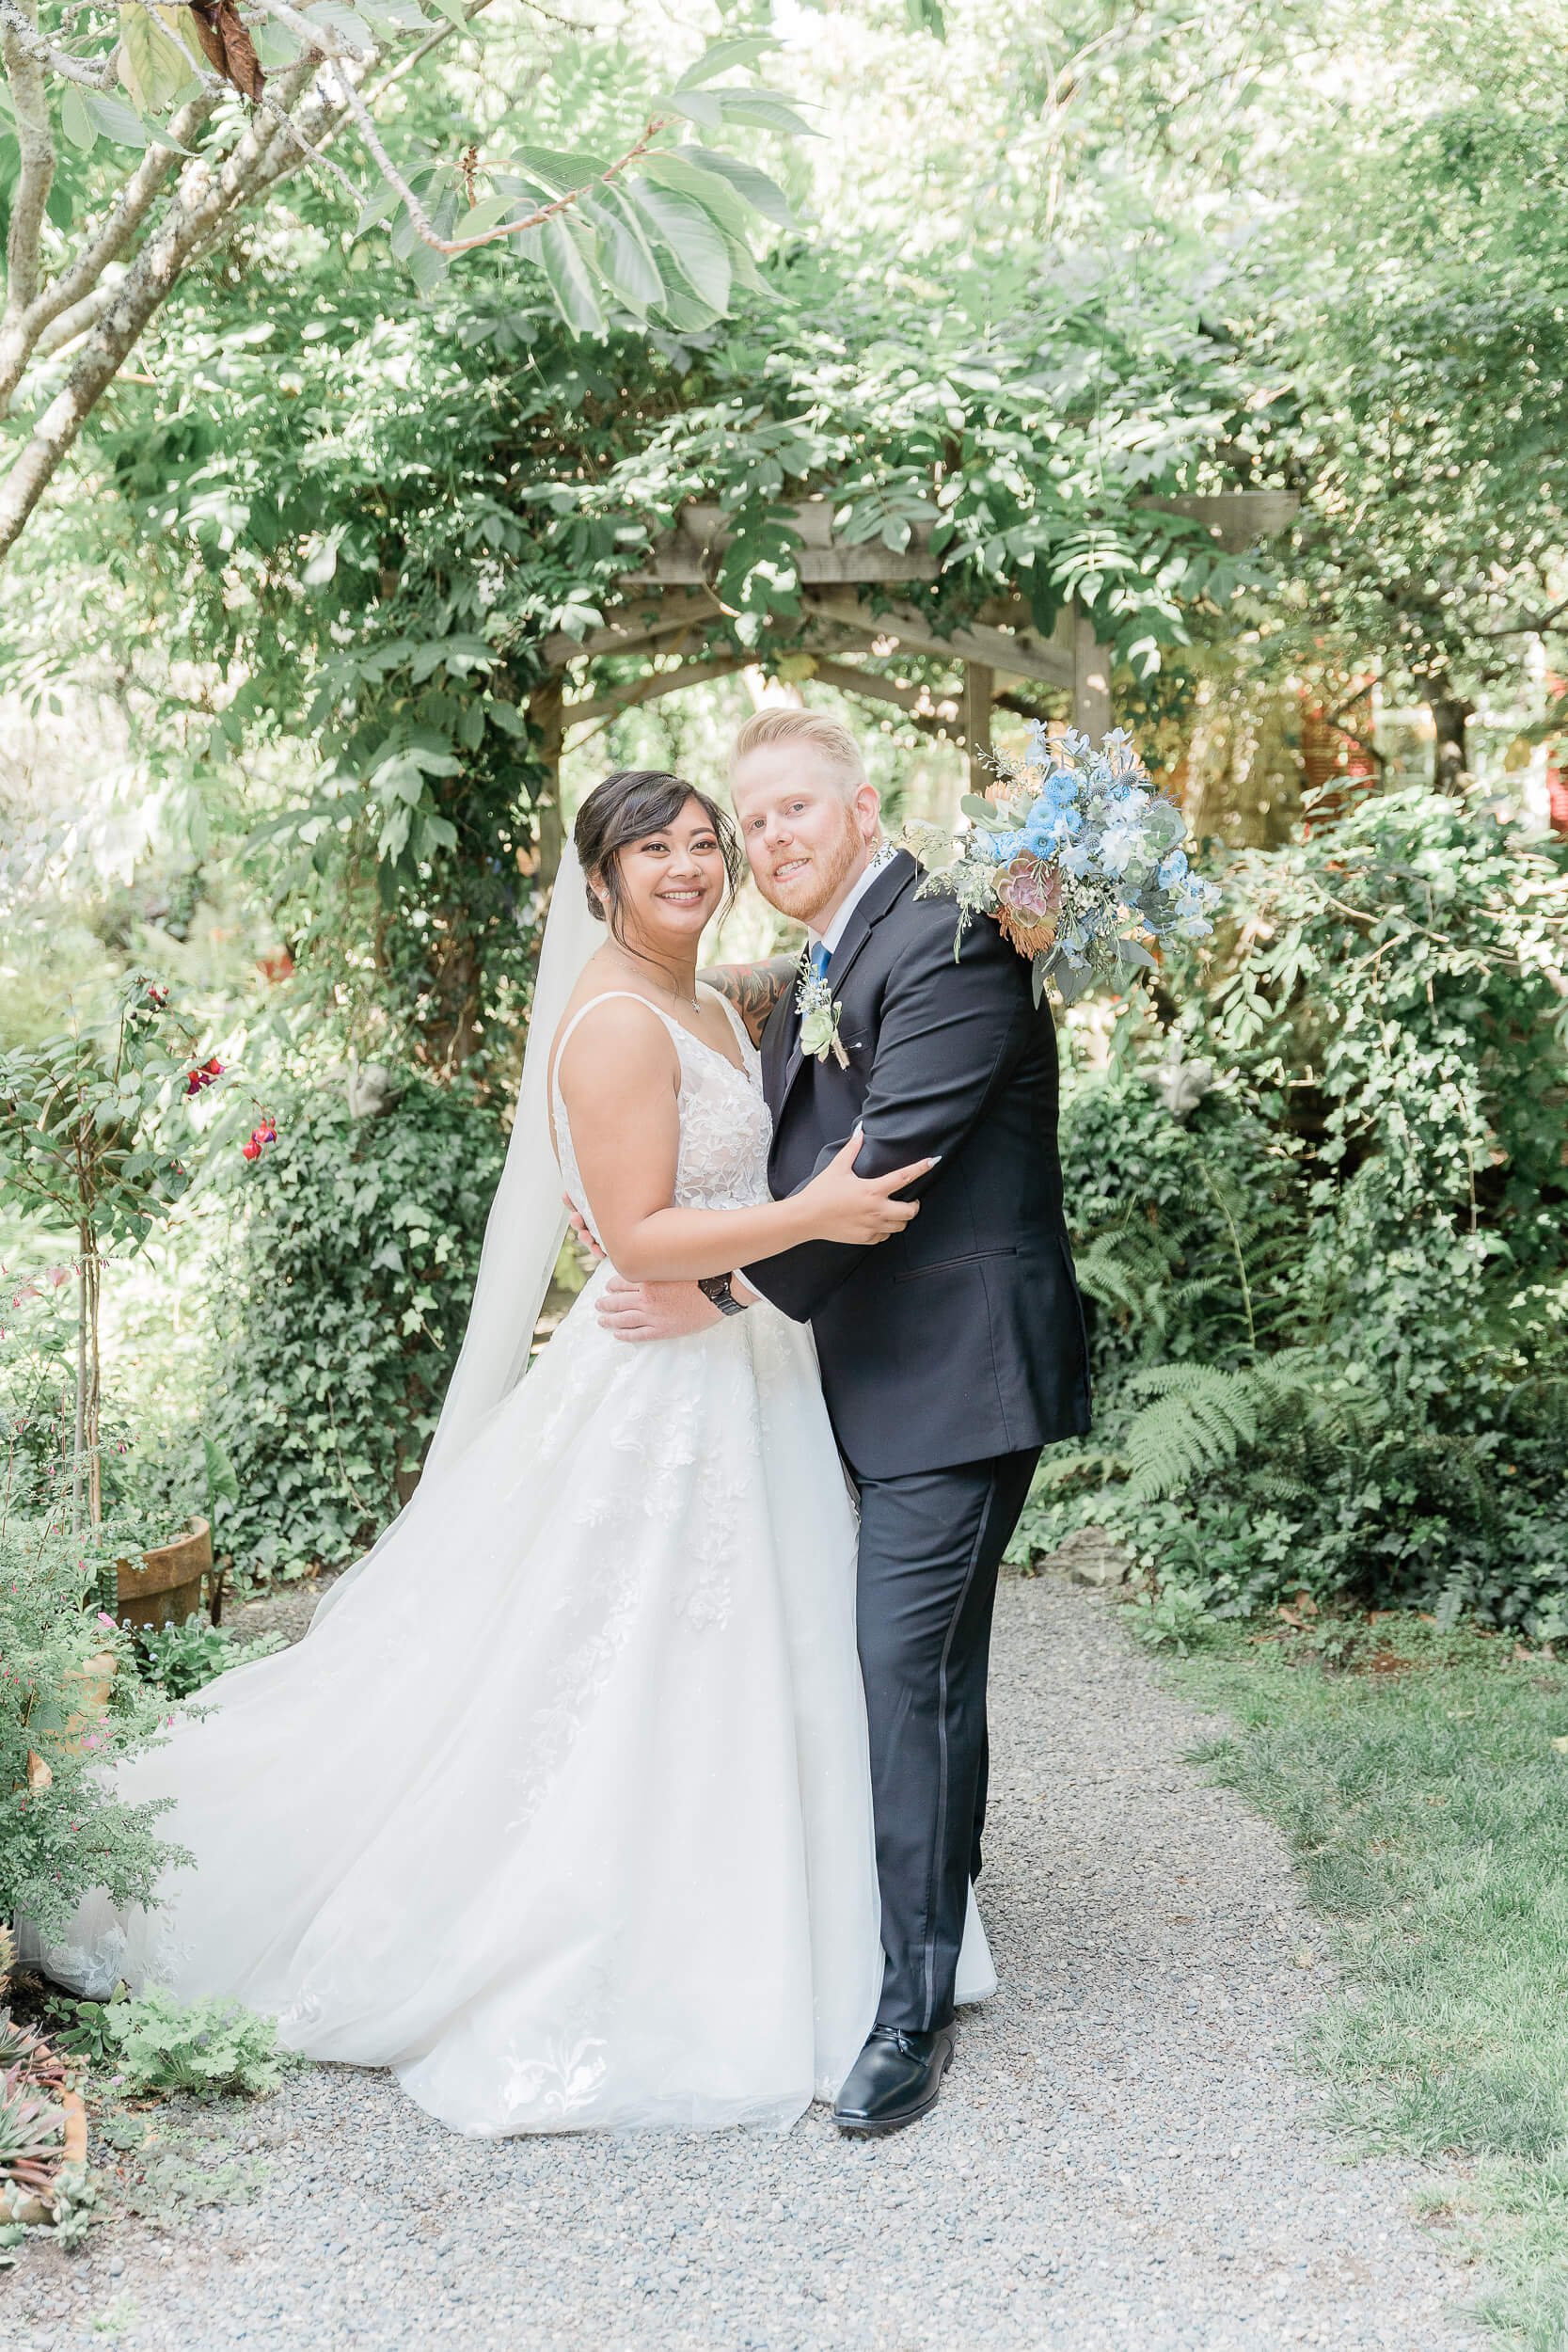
[(930, 1545)]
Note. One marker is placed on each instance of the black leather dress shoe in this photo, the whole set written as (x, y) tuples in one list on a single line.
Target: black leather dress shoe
[(895, 2080)]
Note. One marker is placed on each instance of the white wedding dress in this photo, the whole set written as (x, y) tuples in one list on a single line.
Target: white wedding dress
[(561, 1809)]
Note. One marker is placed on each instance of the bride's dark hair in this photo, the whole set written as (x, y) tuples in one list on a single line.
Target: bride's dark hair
[(629, 805)]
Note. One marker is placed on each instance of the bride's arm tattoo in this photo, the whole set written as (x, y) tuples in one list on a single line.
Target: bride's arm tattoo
[(753, 989)]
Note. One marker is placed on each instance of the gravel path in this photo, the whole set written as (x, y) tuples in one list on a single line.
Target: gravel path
[(1123, 2157)]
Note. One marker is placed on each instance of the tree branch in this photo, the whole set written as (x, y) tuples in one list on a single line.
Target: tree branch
[(423, 226), (35, 137), (206, 197), (18, 26), (21, 338), (1528, 629)]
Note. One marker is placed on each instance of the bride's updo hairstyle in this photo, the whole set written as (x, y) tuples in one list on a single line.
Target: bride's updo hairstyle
[(629, 805)]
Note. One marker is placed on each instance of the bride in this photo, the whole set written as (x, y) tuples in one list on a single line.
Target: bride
[(562, 1810)]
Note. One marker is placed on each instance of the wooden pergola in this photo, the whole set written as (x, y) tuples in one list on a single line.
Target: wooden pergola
[(668, 612)]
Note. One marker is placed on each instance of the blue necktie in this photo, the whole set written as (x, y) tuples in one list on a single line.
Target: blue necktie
[(819, 959)]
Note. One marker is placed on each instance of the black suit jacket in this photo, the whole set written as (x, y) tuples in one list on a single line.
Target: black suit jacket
[(963, 1336)]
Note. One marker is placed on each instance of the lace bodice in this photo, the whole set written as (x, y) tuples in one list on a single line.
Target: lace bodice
[(726, 1130)]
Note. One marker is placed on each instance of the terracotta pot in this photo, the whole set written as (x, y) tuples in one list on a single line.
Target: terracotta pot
[(32, 2210), (166, 1587)]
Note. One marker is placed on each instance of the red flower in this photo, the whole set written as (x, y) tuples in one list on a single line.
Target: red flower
[(266, 1132), (251, 1150), (197, 1079)]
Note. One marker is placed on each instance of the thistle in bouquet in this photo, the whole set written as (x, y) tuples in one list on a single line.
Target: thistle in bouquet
[(1076, 857)]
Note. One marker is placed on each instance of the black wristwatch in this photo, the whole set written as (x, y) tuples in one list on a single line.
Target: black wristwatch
[(717, 1287)]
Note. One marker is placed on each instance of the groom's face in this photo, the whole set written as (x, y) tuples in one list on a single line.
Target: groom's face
[(805, 837)]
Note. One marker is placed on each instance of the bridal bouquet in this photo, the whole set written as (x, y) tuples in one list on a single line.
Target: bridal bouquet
[(1077, 857)]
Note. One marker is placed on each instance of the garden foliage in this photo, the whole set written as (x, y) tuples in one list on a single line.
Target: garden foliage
[(1330, 1323), (340, 1303), (63, 1831)]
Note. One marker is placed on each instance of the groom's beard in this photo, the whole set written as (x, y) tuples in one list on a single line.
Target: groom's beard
[(815, 888)]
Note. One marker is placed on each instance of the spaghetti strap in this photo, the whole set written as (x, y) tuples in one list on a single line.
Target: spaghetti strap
[(604, 997)]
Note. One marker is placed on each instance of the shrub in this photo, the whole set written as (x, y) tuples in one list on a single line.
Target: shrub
[(341, 1301), (62, 1830), (179, 1660), (1332, 1302)]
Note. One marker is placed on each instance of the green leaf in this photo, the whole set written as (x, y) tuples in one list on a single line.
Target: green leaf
[(571, 280), (726, 55), (334, 16), (426, 267), (484, 217), (399, 16), (767, 111), (377, 207), (455, 13), (558, 172), (275, 46), (691, 239), (153, 66), (700, 106), (75, 121), (220, 1472), (764, 195), (669, 169), (624, 257)]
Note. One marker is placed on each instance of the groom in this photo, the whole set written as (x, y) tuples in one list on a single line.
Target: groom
[(949, 1355)]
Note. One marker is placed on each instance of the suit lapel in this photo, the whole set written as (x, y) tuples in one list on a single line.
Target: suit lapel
[(876, 900)]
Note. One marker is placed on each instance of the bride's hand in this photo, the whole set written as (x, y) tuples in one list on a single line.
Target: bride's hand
[(846, 1207)]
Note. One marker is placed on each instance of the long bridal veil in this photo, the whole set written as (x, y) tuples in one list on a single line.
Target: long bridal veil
[(527, 1223)]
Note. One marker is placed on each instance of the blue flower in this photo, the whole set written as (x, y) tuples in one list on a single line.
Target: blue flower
[(1174, 869)]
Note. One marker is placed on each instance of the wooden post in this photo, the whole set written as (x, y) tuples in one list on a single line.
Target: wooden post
[(544, 710), (1092, 680), (979, 685)]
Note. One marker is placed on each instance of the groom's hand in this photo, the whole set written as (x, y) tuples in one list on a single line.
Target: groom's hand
[(653, 1310)]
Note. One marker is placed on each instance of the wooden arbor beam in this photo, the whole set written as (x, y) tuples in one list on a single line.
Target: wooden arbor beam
[(1021, 652)]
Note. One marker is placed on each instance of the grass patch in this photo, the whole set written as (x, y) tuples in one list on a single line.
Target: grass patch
[(1422, 1778)]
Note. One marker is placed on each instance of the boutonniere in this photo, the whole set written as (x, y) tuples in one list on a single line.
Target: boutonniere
[(819, 1017)]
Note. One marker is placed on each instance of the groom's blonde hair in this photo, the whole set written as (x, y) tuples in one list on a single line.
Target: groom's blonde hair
[(813, 730)]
